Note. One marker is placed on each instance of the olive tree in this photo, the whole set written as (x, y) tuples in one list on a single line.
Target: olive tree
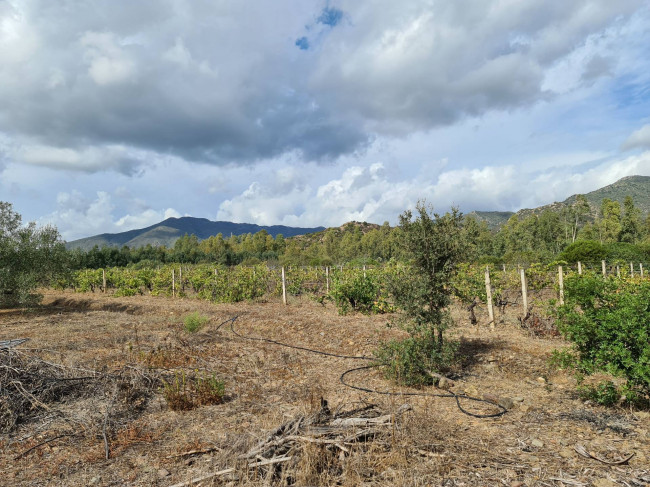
[(432, 245), (30, 256)]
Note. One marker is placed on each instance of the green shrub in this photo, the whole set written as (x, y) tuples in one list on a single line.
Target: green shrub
[(607, 322), (355, 290), (194, 322), (588, 251)]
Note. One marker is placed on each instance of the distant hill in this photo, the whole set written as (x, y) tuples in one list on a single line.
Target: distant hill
[(168, 231), (638, 187)]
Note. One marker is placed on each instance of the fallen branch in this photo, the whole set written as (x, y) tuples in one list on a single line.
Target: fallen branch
[(21, 455), (581, 450)]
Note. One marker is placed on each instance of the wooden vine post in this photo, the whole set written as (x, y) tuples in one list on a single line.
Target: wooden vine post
[(173, 283), (618, 271), (524, 290), (488, 292), (327, 279), (284, 287), (604, 268), (579, 268), (560, 276), (104, 280), (631, 269), (641, 269)]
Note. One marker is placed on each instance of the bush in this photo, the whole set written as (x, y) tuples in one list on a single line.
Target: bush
[(607, 321), (355, 290), (588, 251), (194, 322)]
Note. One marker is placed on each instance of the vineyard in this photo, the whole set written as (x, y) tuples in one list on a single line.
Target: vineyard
[(352, 288)]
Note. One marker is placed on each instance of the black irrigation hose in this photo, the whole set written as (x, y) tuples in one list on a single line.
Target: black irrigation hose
[(457, 397)]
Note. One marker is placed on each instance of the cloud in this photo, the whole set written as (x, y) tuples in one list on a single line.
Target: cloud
[(78, 216), (639, 139), (376, 194), (224, 83)]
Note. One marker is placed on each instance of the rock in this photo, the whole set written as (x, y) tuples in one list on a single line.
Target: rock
[(163, 472), (491, 398), (566, 453), (524, 408), (541, 380), (537, 443), (516, 483), (95, 480), (444, 383), (506, 402), (518, 399)]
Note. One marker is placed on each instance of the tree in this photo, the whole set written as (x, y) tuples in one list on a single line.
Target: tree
[(29, 257), (630, 223), (434, 245), (610, 224)]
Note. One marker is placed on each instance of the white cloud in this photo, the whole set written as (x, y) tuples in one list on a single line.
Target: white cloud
[(638, 139), (77, 215), (109, 63)]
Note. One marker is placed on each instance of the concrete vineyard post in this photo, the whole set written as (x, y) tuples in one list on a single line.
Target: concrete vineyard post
[(173, 283), (104, 280), (488, 292), (604, 268), (524, 290), (641, 269), (618, 271), (560, 276), (284, 288), (579, 268), (631, 269)]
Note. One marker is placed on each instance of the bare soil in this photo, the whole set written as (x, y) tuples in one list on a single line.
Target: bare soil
[(112, 354)]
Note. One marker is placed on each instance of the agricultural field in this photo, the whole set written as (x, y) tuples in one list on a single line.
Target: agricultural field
[(153, 390)]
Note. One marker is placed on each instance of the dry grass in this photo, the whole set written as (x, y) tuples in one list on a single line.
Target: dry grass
[(265, 385)]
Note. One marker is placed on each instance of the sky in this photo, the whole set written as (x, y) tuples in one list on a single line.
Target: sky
[(117, 114)]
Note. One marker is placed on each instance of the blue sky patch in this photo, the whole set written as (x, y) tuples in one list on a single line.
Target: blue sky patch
[(330, 16), (302, 43)]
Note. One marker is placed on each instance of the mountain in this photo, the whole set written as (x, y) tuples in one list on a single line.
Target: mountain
[(168, 231), (638, 187)]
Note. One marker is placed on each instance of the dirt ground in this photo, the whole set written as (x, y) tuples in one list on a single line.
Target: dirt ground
[(111, 354)]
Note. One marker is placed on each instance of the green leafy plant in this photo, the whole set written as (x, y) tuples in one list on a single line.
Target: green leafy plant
[(422, 290), (194, 322), (607, 322), (355, 290)]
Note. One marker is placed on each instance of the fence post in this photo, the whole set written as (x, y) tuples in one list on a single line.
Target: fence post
[(604, 268), (364, 271), (579, 268), (180, 277), (641, 269), (560, 276), (631, 269), (504, 267), (524, 290), (104, 280), (327, 279), (618, 271), (284, 288), (173, 283), (488, 292)]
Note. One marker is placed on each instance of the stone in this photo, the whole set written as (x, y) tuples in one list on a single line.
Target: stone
[(163, 472), (566, 453), (518, 399), (444, 383), (95, 480), (541, 380), (516, 483), (506, 402), (537, 443), (490, 398), (524, 408)]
